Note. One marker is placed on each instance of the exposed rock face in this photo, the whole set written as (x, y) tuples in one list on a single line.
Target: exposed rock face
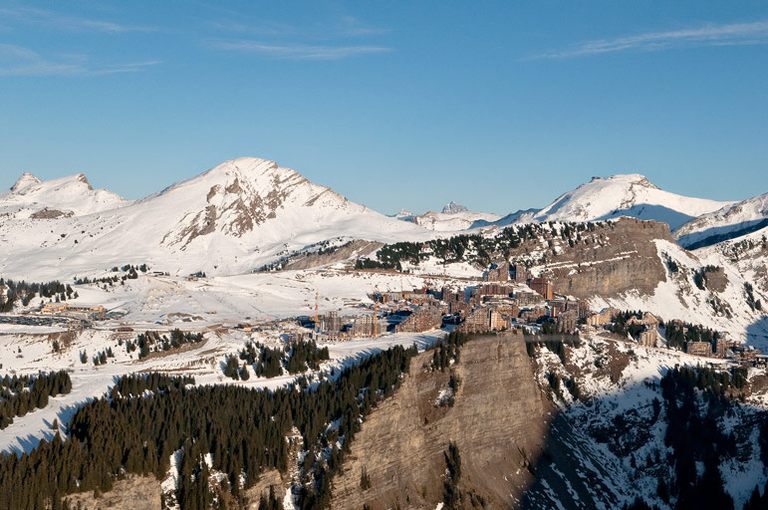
[(133, 493), (612, 259), (715, 279), (50, 214), (498, 421), (238, 205), (270, 478), (453, 208), (242, 195)]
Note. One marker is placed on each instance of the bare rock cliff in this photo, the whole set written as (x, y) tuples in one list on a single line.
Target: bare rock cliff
[(614, 258), (499, 422)]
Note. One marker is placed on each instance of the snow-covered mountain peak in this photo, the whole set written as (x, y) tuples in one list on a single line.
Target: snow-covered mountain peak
[(237, 216), (238, 195), (66, 196), (626, 180), (253, 169), (256, 171), (26, 180), (624, 195), (453, 208)]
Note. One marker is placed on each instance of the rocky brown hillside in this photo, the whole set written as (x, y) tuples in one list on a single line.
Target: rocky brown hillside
[(605, 258), (610, 259), (498, 422)]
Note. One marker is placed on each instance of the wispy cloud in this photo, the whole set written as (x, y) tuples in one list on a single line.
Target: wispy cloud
[(298, 51), (42, 17), (345, 26), (332, 40), (708, 35), (21, 61), (261, 29), (351, 26)]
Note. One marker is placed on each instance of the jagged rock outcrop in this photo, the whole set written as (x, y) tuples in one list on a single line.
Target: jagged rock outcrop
[(498, 421), (453, 208)]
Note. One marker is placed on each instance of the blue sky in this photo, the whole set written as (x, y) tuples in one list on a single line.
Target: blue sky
[(498, 105)]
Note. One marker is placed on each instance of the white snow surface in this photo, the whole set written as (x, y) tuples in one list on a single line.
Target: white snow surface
[(229, 220), (72, 194), (623, 195), (730, 218)]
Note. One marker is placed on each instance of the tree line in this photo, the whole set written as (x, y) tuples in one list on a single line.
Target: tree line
[(294, 358), (131, 272), (476, 248), (13, 292), (153, 341), (243, 430), (22, 394), (695, 436), (679, 334)]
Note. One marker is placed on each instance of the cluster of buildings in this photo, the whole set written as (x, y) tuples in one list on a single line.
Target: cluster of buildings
[(97, 312), (508, 297)]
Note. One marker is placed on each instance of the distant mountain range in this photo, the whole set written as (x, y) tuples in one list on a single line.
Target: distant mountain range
[(247, 212)]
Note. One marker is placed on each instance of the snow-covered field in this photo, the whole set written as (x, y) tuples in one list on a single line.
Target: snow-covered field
[(253, 297)]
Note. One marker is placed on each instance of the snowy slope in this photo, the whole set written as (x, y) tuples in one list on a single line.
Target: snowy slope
[(231, 219), (67, 196), (614, 434), (748, 254), (623, 195), (678, 297), (731, 221)]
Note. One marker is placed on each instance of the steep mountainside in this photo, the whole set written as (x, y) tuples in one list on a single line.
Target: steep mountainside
[(642, 423), (623, 195), (596, 423), (231, 219), (727, 223), (498, 422), (632, 264), (748, 254)]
